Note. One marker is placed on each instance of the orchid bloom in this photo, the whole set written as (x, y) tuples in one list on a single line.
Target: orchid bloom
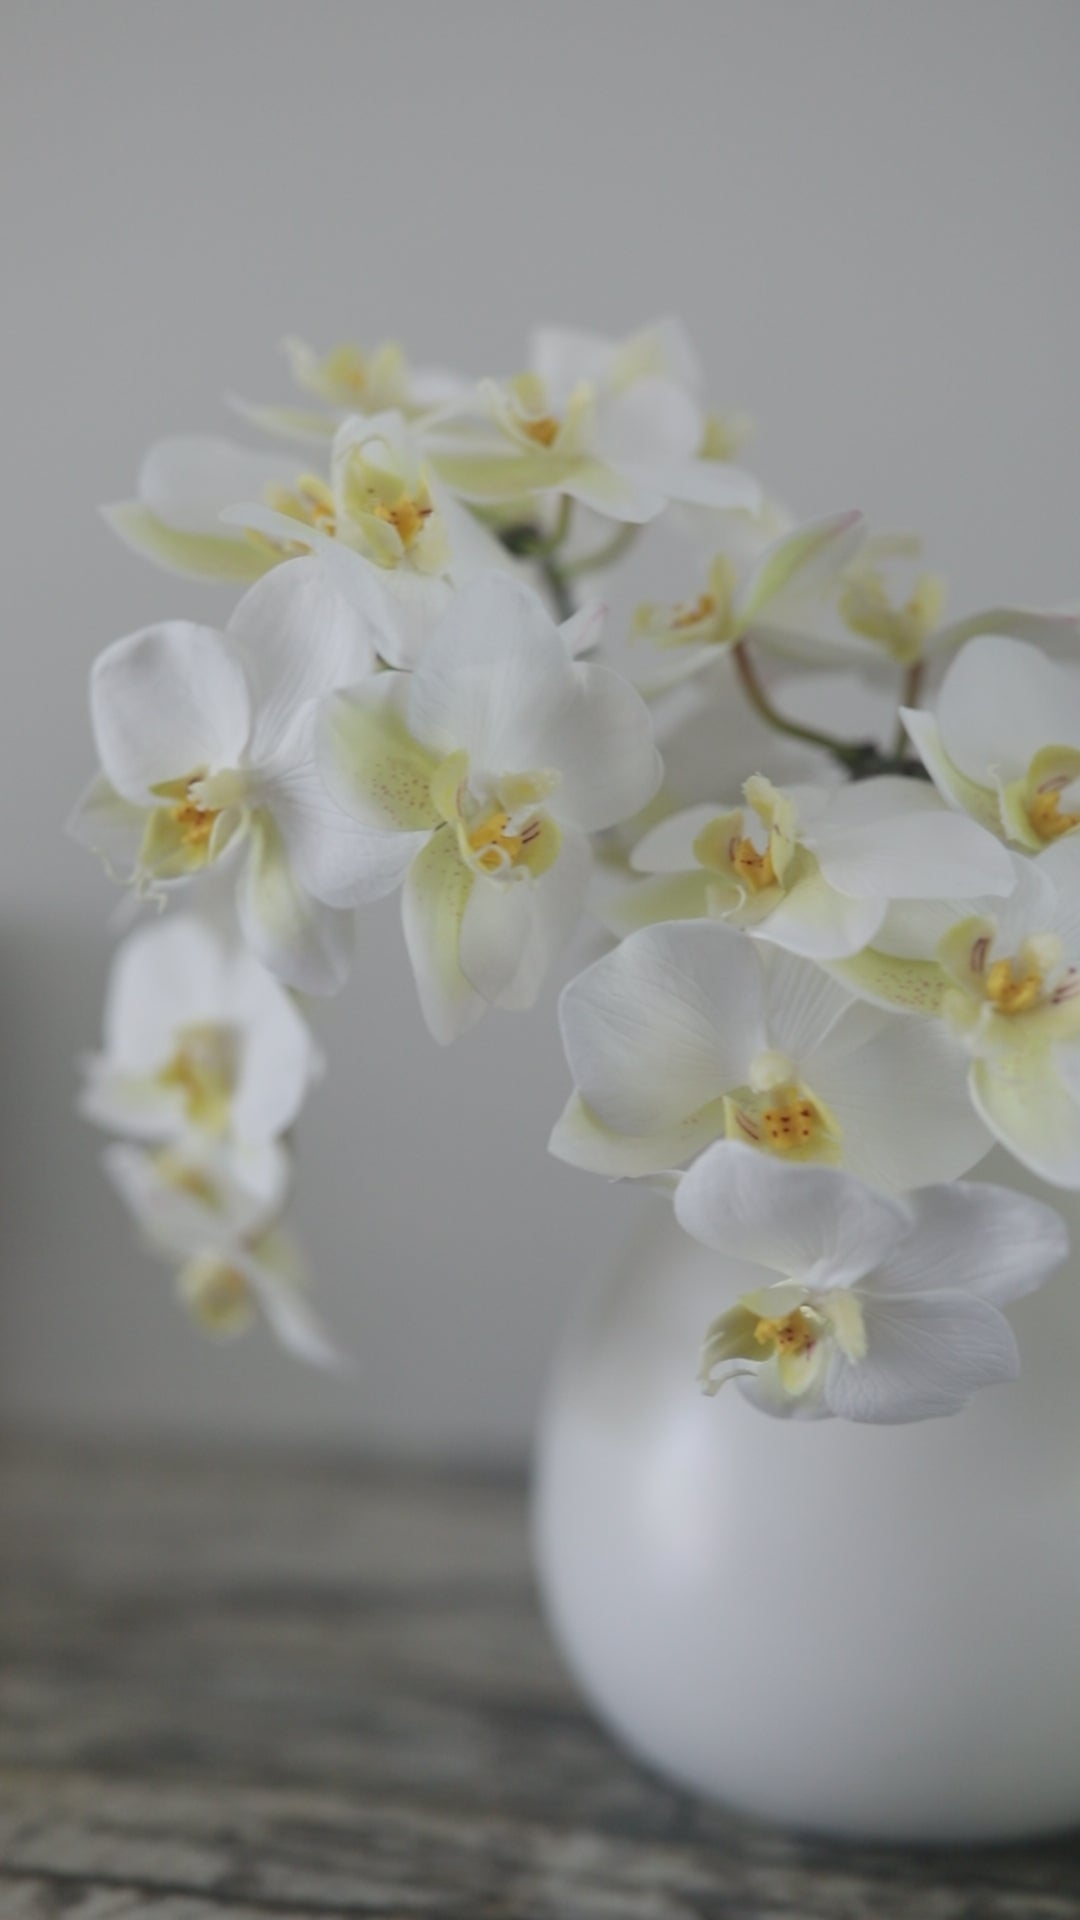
[(348, 380), (750, 588), (689, 1032), (383, 514), (1004, 742), (205, 744), (234, 1259), (612, 424), (208, 508), (200, 1041), (1014, 1001), (812, 870), (477, 780), (856, 1305)]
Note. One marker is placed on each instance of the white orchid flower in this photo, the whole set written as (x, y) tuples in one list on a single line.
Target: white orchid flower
[(612, 424), (195, 1209), (382, 517), (205, 744), (1004, 742), (1002, 978), (477, 779), (1014, 1000), (348, 380), (810, 869), (856, 1305), (749, 590), (183, 487), (689, 1032), (867, 606), (199, 1040), (216, 511)]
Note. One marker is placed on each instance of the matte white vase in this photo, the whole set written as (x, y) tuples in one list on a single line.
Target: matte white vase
[(863, 1631)]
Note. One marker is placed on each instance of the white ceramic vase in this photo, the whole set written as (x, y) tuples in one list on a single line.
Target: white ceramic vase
[(863, 1631)]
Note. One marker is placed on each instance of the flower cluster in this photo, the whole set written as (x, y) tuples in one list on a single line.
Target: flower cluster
[(839, 965)]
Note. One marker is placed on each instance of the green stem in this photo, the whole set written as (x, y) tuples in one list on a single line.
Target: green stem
[(558, 586), (546, 544), (841, 750), (606, 555)]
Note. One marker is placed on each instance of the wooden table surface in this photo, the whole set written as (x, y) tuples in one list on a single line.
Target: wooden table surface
[(263, 1689)]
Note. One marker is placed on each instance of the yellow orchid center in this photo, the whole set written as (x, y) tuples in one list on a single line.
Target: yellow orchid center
[(784, 1120), (196, 823), (493, 843), (796, 1333), (346, 367), (203, 1072), (792, 1121), (544, 431), (180, 835), (504, 832), (405, 514), (530, 410), (185, 1177), (687, 614), (753, 865), (311, 502), (217, 1295), (1046, 817), (1013, 987), (866, 608)]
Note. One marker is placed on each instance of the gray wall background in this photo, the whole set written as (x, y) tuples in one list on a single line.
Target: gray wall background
[(866, 213)]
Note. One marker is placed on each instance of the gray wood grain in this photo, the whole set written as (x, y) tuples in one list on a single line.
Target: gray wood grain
[(263, 1689)]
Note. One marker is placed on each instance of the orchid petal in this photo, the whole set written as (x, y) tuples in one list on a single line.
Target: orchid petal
[(816, 1225), (434, 900), (168, 702)]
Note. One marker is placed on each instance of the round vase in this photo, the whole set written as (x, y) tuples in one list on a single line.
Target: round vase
[(864, 1631)]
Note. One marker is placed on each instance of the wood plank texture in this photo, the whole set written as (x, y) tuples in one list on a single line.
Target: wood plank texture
[(241, 1690)]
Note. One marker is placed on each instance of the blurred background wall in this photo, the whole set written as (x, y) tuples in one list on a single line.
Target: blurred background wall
[(867, 215)]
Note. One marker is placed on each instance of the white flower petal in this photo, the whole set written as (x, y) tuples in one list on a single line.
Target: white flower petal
[(299, 638), (926, 1355), (818, 923), (987, 1241), (167, 974), (802, 1005), (201, 556), (167, 702), (669, 847), (981, 802), (1028, 1106), (304, 943), (511, 932), (493, 669), (370, 762), (901, 1100), (333, 855), (278, 1060), (1000, 702), (938, 856), (187, 480), (664, 1025), (812, 1224), (600, 738), (433, 903), (582, 1140), (110, 826)]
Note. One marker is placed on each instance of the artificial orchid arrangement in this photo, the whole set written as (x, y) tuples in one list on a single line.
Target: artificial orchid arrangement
[(838, 965)]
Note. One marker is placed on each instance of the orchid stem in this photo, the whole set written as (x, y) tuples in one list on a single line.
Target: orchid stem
[(841, 750)]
